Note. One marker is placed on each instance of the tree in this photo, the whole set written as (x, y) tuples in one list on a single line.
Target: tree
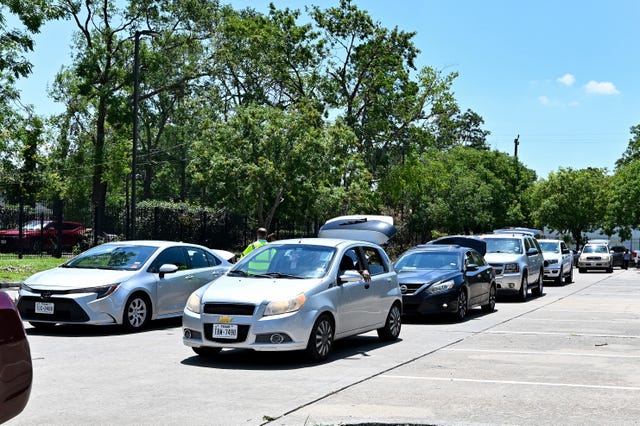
[(571, 201), (632, 153)]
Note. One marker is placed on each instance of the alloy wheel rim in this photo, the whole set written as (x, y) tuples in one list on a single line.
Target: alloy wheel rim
[(462, 304), (492, 297), (137, 312), (323, 338), (394, 321)]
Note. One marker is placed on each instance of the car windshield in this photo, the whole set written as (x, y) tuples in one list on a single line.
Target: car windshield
[(549, 247), (594, 249), (114, 257), (504, 245), (297, 261), (428, 260)]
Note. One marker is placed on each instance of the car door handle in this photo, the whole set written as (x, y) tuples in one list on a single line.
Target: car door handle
[(189, 277), (367, 285)]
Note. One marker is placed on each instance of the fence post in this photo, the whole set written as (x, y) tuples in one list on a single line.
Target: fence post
[(58, 213), (20, 227)]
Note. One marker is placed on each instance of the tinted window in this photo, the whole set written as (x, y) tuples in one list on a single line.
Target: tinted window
[(213, 261), (198, 258), (428, 260), (173, 256)]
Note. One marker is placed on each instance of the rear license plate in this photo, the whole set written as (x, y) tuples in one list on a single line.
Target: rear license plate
[(225, 331), (44, 308)]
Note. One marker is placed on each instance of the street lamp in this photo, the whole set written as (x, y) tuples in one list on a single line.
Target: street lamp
[(134, 149)]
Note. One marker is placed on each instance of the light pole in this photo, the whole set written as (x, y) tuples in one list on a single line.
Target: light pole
[(134, 148)]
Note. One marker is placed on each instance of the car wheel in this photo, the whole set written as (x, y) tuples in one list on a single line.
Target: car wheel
[(321, 339), (43, 326), (569, 279), (463, 305), (558, 279), (610, 270), (137, 312), (538, 291), (392, 326), (206, 351), (524, 289), (491, 303)]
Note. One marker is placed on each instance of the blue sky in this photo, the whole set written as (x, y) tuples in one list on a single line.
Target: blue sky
[(561, 74)]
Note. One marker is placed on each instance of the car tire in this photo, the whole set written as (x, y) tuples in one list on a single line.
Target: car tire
[(392, 325), (569, 279), (207, 352), (524, 289), (137, 312), (558, 279), (462, 306), (42, 326), (610, 270), (490, 306), (321, 339), (539, 289)]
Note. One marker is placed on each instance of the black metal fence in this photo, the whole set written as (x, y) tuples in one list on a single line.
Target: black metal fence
[(44, 230)]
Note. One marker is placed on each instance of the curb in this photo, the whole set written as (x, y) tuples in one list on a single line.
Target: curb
[(9, 285)]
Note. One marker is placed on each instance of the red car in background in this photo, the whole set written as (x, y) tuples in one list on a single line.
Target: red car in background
[(38, 235), (16, 370)]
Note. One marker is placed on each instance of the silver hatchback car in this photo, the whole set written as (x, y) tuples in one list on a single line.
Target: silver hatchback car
[(125, 282), (297, 295)]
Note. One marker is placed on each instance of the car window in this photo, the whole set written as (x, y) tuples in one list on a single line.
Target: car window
[(563, 246), (349, 261), (198, 258), (536, 245), (477, 258), (549, 246), (213, 260), (374, 260), (173, 256), (504, 245), (286, 261), (428, 260), (594, 249), (112, 257)]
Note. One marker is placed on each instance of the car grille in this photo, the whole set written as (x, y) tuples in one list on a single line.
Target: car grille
[(66, 310), (497, 267), (243, 331), (410, 288), (229, 308), (594, 257)]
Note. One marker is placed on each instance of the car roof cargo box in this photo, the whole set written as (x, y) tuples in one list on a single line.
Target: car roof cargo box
[(371, 228), (464, 241)]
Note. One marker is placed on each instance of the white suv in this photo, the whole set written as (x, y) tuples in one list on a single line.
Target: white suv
[(558, 261), (595, 255), (517, 260)]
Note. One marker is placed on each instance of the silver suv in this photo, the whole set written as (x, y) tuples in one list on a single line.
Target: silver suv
[(517, 260)]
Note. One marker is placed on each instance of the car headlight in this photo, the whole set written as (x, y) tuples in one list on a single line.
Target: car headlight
[(511, 267), (552, 261), (193, 303), (440, 287), (278, 307), (101, 291)]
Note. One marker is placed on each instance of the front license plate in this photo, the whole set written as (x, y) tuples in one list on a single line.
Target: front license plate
[(44, 308), (225, 331)]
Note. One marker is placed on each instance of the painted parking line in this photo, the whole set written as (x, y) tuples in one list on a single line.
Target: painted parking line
[(551, 333), (570, 354), (551, 321), (511, 382)]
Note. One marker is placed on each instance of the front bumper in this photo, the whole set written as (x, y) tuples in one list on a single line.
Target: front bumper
[(423, 303), (79, 308), (509, 283), (254, 332), (594, 264), (551, 273)]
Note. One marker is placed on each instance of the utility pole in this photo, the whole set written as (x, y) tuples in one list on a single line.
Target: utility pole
[(516, 142)]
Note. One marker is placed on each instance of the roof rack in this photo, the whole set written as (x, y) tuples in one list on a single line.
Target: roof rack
[(536, 233)]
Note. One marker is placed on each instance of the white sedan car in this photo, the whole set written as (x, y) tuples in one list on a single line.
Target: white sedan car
[(124, 282), (297, 295)]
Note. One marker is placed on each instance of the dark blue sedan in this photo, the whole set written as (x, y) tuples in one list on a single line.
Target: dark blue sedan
[(448, 275)]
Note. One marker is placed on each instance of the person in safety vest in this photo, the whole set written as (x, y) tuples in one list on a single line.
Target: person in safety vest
[(261, 239)]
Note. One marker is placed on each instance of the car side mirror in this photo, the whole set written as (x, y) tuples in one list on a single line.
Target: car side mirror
[(532, 251), (472, 267), (167, 268), (349, 276), (565, 251)]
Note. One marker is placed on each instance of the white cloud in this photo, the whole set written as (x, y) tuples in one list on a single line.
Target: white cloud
[(567, 79), (574, 104), (544, 100), (601, 88)]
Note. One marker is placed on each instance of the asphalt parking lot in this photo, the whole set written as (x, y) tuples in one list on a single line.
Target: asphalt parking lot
[(571, 356)]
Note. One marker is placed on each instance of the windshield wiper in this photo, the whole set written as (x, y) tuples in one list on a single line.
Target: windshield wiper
[(277, 275), (237, 273)]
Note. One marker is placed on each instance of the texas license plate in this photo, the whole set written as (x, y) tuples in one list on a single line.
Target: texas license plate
[(44, 308), (225, 331)]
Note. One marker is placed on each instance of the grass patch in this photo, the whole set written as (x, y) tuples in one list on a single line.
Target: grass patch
[(15, 270)]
